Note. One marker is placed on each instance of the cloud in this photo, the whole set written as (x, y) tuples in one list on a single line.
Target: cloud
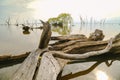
[(90, 8), (45, 9), (15, 2), (14, 8)]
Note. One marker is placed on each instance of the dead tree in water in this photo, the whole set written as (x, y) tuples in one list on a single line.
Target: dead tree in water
[(8, 21), (45, 64)]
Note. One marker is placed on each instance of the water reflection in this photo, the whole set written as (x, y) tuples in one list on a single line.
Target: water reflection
[(61, 30), (109, 30), (11, 34), (26, 29), (26, 32), (7, 72), (99, 73), (71, 76)]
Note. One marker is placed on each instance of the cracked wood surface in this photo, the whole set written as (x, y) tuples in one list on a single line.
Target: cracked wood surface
[(52, 62), (84, 55), (27, 68), (49, 68)]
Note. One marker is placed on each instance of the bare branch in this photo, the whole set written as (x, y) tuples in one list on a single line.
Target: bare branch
[(82, 56)]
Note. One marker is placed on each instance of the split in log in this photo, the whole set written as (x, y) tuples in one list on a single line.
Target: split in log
[(51, 63), (82, 56), (80, 47), (72, 47), (27, 69), (51, 67)]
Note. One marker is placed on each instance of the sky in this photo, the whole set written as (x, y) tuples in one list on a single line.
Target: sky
[(44, 9)]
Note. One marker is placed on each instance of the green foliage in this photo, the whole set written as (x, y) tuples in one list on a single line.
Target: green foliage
[(62, 19), (53, 20), (62, 30), (61, 23)]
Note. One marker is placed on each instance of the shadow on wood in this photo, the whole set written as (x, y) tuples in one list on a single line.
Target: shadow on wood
[(51, 62)]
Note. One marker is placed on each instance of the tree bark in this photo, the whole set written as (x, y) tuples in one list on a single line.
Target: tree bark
[(70, 37), (52, 67), (52, 62), (46, 35), (83, 56), (27, 69), (80, 47), (49, 68)]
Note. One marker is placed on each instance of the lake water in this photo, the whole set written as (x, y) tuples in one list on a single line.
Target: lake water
[(13, 40)]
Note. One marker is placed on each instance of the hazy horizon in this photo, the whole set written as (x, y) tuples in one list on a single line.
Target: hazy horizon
[(45, 9)]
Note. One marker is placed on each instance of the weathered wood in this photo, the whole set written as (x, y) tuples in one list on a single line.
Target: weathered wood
[(83, 56), (70, 37), (45, 36), (52, 67), (64, 41), (27, 69), (61, 45), (80, 47), (97, 35), (49, 68), (51, 63), (8, 57)]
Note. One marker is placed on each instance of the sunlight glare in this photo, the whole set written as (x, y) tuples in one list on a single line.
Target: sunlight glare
[(101, 75)]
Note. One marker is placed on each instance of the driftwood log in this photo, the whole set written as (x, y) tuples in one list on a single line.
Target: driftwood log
[(47, 63), (27, 69), (12, 59), (80, 47)]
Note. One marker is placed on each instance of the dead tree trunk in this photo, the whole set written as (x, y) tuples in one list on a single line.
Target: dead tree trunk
[(46, 35), (28, 69), (80, 47), (43, 64)]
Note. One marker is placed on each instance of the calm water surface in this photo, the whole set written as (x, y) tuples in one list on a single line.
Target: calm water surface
[(14, 41)]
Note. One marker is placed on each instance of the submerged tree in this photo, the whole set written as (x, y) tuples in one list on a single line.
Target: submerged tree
[(62, 23), (8, 21), (48, 61), (63, 19), (54, 21)]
